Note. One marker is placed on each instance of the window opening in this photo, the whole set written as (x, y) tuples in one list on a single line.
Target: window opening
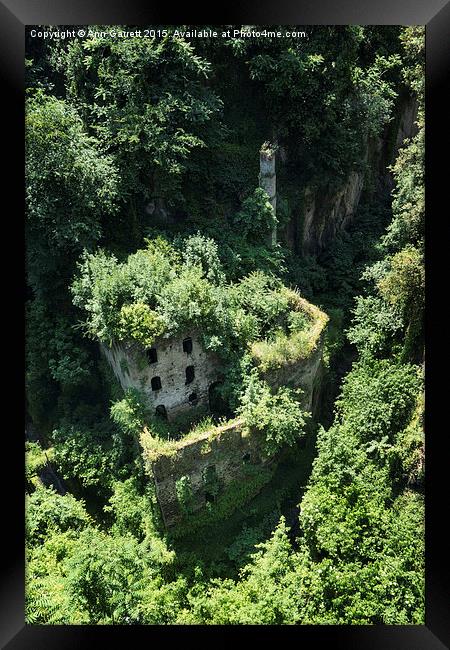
[(156, 383), (151, 355), (190, 374), (161, 411), (211, 483), (187, 345)]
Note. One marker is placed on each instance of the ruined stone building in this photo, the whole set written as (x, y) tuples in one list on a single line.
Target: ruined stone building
[(176, 374)]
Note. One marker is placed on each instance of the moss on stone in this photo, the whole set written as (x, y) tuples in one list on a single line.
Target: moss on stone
[(290, 348)]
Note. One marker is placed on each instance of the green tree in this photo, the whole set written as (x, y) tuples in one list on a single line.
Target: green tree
[(147, 101), (104, 575), (323, 103), (48, 512), (130, 509), (202, 251), (71, 187), (256, 217)]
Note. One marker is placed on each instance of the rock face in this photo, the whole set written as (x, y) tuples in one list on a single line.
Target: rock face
[(156, 209), (175, 374), (326, 213), (407, 127)]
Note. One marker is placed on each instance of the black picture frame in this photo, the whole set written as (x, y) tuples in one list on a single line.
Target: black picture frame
[(435, 14)]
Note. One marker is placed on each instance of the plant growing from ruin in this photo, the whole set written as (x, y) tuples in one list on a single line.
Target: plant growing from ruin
[(184, 494), (276, 416), (256, 217), (137, 321)]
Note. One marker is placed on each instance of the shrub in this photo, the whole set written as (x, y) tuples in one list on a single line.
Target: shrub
[(277, 417), (375, 325), (183, 489), (378, 398), (404, 284), (47, 511), (257, 217), (139, 322), (202, 251)]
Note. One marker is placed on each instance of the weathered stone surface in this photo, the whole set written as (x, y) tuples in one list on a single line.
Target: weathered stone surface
[(133, 370), (268, 182), (327, 214), (407, 126), (228, 451), (304, 374)]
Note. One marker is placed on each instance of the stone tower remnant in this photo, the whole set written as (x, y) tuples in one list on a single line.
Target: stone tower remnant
[(268, 180)]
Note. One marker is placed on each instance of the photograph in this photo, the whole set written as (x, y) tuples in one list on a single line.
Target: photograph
[(225, 353)]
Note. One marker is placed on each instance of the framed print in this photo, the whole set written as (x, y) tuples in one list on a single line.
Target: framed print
[(230, 419)]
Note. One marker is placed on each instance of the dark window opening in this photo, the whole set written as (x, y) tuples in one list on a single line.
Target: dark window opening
[(151, 355), (193, 399), (187, 346), (209, 498), (161, 411), (217, 404), (190, 374), (156, 383), (246, 458)]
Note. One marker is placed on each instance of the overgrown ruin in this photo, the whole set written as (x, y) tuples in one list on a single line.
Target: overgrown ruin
[(178, 377), (174, 370), (174, 374)]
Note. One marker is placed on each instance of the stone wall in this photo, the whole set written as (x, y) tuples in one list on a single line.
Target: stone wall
[(227, 452), (230, 449), (305, 374), (230, 452), (134, 370)]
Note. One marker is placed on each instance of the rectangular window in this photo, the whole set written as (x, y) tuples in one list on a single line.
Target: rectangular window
[(187, 346), (151, 355), (156, 383), (190, 374)]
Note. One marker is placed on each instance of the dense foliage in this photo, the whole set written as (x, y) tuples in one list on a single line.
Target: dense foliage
[(142, 218)]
